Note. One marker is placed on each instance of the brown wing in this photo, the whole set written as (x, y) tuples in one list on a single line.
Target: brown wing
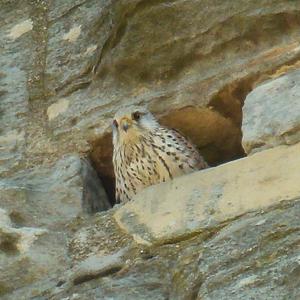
[(191, 149)]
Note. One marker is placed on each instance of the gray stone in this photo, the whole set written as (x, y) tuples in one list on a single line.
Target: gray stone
[(39, 203), (16, 50), (94, 197), (97, 266), (252, 256), (271, 114), (51, 195), (16, 239), (27, 256)]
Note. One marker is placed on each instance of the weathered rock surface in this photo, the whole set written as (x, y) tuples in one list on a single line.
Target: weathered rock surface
[(50, 195), (16, 239), (243, 249), (20, 251), (206, 199), (271, 114), (66, 66), (252, 256), (96, 266), (39, 204)]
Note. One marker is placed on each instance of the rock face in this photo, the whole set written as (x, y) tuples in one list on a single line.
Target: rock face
[(272, 114), (66, 67), (39, 203), (205, 199), (54, 194)]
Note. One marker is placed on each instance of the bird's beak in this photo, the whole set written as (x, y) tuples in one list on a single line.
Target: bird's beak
[(125, 123), (125, 126)]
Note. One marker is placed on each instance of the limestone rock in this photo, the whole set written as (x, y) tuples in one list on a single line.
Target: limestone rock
[(39, 203), (16, 26), (92, 56), (50, 195), (21, 248), (99, 245), (204, 199), (271, 114), (16, 240), (252, 256), (66, 67)]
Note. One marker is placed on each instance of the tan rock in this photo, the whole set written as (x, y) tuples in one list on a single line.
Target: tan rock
[(57, 108), (73, 34), (207, 198), (271, 114), (19, 29), (198, 66)]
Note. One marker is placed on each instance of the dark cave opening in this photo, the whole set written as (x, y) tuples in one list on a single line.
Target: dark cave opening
[(101, 159)]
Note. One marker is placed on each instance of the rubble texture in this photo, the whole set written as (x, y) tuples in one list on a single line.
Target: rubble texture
[(224, 73)]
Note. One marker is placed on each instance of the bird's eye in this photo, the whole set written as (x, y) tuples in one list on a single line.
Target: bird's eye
[(115, 123), (136, 116)]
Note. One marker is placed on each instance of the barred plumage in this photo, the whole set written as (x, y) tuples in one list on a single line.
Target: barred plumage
[(146, 153)]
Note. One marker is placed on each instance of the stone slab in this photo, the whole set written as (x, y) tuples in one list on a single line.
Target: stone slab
[(205, 199)]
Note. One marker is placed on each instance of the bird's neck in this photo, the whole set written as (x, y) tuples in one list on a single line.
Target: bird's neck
[(127, 140)]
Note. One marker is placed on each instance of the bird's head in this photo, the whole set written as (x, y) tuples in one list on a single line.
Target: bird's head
[(131, 122)]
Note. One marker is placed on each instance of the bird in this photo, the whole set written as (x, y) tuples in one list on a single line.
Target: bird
[(146, 153)]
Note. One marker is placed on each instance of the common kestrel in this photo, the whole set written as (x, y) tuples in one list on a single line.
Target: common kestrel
[(146, 153)]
